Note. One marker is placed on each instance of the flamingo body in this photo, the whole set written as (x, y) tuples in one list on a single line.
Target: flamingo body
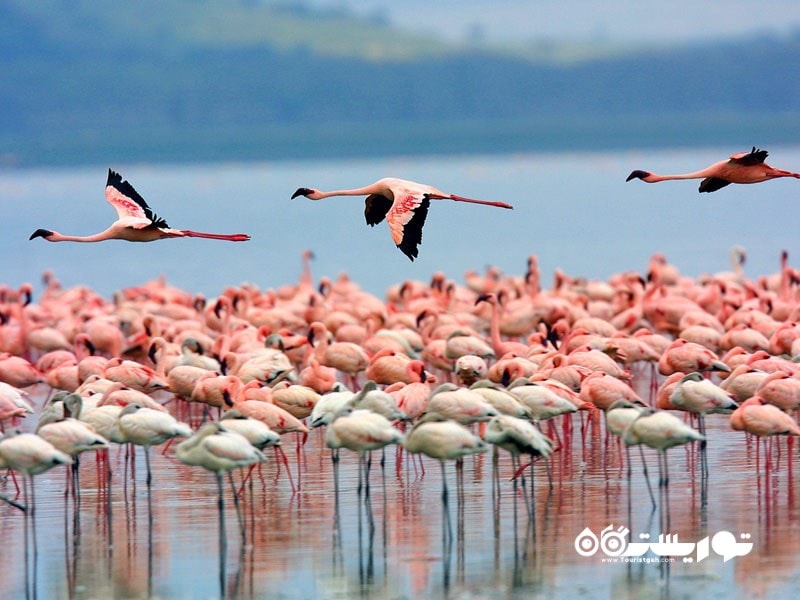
[(136, 221), (743, 167), (403, 204)]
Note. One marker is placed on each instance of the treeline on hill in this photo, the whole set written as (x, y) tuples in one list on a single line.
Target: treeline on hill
[(66, 97)]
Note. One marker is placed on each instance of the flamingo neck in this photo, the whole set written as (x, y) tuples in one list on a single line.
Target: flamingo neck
[(365, 191), (97, 237), (654, 177)]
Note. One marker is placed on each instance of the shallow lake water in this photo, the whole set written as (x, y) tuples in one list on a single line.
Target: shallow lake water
[(164, 543)]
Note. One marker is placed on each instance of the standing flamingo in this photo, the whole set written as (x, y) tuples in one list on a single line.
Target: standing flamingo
[(136, 223), (29, 454), (219, 450), (443, 439), (361, 431), (743, 167), (404, 205), (146, 427), (755, 415), (661, 431), (518, 436)]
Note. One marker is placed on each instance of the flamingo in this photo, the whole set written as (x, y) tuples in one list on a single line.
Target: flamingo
[(461, 405), (661, 431), (329, 405), (743, 167), (146, 427), (696, 394), (136, 220), (443, 439), (518, 436), (29, 454), (73, 437), (618, 417), (219, 450), (361, 431), (404, 205)]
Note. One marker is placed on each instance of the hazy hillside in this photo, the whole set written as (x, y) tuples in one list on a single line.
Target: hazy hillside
[(209, 79)]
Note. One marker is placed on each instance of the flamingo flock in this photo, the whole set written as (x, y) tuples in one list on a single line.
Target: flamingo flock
[(433, 353), (441, 369)]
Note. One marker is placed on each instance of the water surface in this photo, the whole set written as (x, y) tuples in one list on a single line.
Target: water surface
[(168, 546)]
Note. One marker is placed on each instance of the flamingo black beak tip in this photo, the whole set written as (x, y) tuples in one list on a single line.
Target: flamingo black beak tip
[(301, 192)]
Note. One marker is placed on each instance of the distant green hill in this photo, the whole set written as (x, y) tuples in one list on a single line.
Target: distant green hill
[(187, 80)]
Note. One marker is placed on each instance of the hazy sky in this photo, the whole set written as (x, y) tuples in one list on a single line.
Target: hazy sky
[(630, 20)]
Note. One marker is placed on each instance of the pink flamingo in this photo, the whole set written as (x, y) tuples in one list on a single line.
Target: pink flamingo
[(755, 415), (16, 371), (781, 390), (136, 220), (343, 356), (404, 205), (501, 346), (685, 356), (743, 167)]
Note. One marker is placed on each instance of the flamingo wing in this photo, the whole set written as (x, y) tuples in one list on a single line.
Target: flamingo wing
[(712, 184), (754, 157), (405, 219), (127, 201), (375, 208)]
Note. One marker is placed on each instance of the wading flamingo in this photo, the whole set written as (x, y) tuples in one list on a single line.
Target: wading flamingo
[(404, 205), (743, 167), (443, 439), (756, 416), (136, 223), (361, 431), (518, 436), (219, 450), (29, 454), (661, 431)]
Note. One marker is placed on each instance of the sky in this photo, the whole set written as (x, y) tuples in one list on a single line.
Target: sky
[(584, 20)]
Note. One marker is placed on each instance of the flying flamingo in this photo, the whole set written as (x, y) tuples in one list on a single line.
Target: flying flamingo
[(743, 167), (404, 205), (136, 223)]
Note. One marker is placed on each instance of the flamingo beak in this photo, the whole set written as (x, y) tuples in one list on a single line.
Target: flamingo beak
[(638, 174), (301, 192), (43, 233)]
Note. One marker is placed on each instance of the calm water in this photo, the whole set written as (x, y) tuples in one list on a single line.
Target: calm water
[(574, 211), (296, 550)]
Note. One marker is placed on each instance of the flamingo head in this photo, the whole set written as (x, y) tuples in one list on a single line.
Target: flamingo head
[(42, 233), (639, 174), (307, 192)]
